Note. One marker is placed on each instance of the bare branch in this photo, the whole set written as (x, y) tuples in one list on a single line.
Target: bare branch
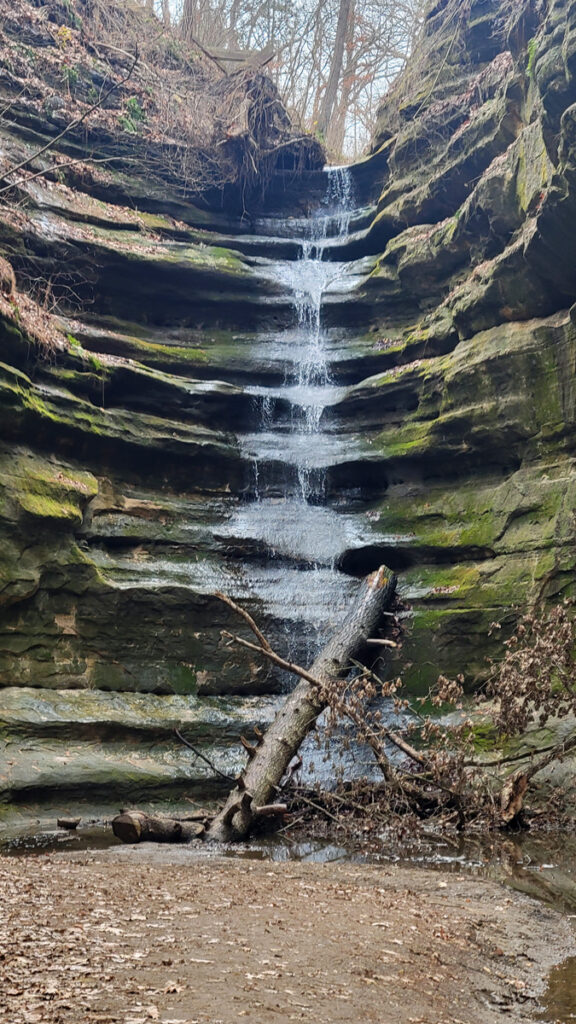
[(203, 757), (70, 127), (247, 618)]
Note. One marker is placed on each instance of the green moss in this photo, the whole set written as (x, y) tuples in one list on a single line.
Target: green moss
[(485, 737), (440, 583), (178, 353), (546, 386), (156, 354), (201, 258), (15, 376), (48, 508), (32, 401), (521, 181), (97, 363), (46, 490), (182, 679), (532, 50), (408, 440), (533, 169)]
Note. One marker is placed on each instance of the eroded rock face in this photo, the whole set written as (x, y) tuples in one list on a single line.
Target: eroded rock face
[(469, 300), (120, 465), (124, 475)]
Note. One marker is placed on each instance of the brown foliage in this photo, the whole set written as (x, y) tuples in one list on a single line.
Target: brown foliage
[(533, 686), (536, 681), (425, 751)]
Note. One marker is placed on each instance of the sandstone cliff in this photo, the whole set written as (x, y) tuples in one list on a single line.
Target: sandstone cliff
[(470, 299), (455, 345)]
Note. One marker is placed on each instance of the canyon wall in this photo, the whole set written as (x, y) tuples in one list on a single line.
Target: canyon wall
[(121, 468)]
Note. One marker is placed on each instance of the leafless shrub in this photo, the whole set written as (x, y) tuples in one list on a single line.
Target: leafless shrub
[(435, 765)]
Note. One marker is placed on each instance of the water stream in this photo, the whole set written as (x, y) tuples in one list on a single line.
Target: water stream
[(290, 520)]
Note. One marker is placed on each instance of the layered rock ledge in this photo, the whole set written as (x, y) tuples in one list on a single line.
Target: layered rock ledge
[(453, 340)]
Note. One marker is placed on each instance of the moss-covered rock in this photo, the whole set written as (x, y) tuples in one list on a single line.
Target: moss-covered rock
[(449, 454)]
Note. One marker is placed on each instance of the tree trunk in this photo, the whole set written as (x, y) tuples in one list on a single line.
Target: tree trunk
[(166, 16), (329, 100), (259, 782), (188, 20)]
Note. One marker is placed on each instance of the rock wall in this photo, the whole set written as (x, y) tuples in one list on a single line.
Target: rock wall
[(469, 298), (124, 342), (119, 461)]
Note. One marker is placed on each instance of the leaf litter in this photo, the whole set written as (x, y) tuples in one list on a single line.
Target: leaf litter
[(132, 936)]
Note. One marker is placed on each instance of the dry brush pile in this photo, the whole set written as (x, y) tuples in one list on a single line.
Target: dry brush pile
[(448, 760)]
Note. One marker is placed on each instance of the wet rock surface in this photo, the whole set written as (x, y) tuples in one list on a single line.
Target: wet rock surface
[(164, 451)]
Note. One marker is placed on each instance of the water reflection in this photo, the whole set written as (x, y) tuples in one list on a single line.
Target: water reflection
[(559, 1002)]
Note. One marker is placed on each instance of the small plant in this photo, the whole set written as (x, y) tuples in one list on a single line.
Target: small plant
[(95, 362), (70, 75), (27, 52), (64, 36), (126, 124), (134, 110), (133, 117)]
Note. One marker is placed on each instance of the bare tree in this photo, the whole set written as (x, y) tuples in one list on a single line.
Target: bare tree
[(333, 59)]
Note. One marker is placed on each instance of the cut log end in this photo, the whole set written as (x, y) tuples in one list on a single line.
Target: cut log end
[(68, 823), (137, 827)]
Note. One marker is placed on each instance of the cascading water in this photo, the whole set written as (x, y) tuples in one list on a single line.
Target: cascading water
[(299, 536), (279, 549)]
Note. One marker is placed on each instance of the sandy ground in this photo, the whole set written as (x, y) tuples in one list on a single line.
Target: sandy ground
[(133, 935)]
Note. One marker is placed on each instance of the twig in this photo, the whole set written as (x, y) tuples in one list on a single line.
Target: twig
[(267, 652), (558, 747), (318, 807), (60, 166), (347, 802), (405, 747), (291, 824), (194, 41), (247, 618), (203, 757)]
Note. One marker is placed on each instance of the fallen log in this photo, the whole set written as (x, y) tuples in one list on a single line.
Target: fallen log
[(258, 785), (138, 827)]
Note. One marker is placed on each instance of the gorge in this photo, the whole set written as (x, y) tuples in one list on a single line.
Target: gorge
[(366, 365)]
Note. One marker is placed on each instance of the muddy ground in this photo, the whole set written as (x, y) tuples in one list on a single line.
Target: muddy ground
[(139, 934)]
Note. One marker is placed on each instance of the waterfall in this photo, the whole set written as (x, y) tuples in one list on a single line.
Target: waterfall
[(297, 534)]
